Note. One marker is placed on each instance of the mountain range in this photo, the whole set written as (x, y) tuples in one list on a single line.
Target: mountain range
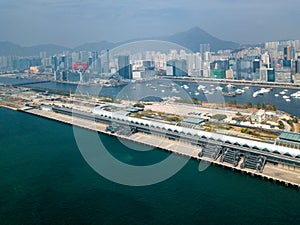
[(190, 39)]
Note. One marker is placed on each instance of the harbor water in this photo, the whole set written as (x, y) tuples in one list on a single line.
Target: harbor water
[(187, 90), (45, 180)]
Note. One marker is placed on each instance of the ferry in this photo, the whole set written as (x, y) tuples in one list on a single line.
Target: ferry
[(261, 92)]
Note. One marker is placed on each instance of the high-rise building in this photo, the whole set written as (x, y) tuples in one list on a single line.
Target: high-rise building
[(54, 63), (204, 50), (256, 65), (266, 59), (287, 53), (75, 57), (43, 55), (218, 69), (124, 67), (270, 75), (283, 75), (84, 56), (177, 67), (263, 74)]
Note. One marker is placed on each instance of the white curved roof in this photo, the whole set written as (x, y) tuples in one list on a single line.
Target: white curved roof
[(218, 137)]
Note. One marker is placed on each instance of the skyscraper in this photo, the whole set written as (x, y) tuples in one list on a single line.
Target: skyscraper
[(124, 67), (177, 67), (204, 49), (287, 53)]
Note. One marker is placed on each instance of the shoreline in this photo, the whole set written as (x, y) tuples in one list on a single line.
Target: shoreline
[(8, 107), (236, 82), (273, 173), (193, 79)]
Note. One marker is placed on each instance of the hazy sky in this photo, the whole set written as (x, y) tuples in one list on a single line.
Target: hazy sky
[(73, 22)]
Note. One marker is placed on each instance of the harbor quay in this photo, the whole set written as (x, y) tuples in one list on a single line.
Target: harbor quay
[(271, 166)]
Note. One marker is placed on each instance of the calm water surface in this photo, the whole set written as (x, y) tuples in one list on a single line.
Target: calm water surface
[(45, 180)]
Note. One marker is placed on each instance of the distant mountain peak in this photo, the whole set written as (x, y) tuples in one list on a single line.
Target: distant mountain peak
[(196, 29), (195, 36), (190, 39)]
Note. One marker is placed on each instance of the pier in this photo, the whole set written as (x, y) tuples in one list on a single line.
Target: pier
[(273, 167)]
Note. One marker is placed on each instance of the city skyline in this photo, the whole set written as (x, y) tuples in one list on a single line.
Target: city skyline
[(72, 23)]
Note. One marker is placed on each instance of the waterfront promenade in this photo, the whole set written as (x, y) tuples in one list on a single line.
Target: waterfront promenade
[(275, 173)]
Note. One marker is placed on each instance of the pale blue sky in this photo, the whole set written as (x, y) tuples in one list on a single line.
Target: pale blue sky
[(73, 22)]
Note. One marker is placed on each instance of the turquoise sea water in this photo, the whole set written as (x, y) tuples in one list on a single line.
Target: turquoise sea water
[(45, 180)]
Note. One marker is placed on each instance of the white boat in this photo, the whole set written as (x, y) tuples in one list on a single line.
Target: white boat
[(185, 87), (276, 95), (162, 91), (246, 87), (197, 93), (230, 86), (288, 100), (239, 91), (219, 88), (282, 92), (265, 90), (205, 92), (286, 97), (201, 87), (296, 94), (261, 92), (286, 90)]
